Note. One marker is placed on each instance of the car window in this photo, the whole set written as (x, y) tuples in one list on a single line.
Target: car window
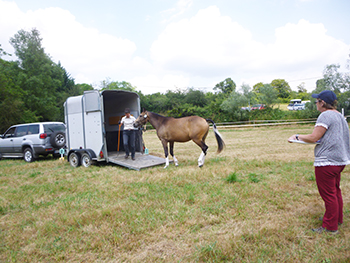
[(53, 127), (10, 132), (21, 131), (33, 129)]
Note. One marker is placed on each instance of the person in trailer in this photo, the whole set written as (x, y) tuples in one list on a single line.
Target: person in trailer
[(128, 134)]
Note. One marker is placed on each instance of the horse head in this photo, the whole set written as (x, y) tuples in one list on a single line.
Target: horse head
[(142, 119)]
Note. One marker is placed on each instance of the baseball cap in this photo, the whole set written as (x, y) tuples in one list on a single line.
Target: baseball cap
[(127, 110), (327, 96)]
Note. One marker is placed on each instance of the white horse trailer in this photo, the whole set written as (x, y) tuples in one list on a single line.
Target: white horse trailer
[(93, 132)]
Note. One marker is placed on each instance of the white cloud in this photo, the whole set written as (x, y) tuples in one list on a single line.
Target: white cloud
[(196, 52), (213, 46), (205, 44), (180, 8), (84, 52), (10, 21), (152, 83)]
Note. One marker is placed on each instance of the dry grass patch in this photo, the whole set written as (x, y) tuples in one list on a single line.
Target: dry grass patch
[(254, 202)]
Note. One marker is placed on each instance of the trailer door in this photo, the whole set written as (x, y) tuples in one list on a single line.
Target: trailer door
[(93, 121)]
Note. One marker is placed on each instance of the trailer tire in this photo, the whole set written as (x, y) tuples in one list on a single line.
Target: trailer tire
[(85, 160), (74, 159)]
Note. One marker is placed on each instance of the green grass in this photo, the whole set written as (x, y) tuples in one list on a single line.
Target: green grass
[(255, 202)]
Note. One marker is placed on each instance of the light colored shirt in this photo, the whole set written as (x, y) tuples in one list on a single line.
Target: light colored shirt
[(334, 147), (128, 122)]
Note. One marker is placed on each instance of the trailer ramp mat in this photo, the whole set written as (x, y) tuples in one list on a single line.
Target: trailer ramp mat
[(141, 160)]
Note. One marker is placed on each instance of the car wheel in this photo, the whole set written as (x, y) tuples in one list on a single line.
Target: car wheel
[(58, 139), (74, 159), (86, 160), (28, 155)]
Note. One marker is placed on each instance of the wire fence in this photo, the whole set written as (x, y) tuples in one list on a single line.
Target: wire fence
[(257, 123)]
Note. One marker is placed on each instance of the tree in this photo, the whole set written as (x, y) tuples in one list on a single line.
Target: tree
[(268, 95), (236, 101), (41, 79), (302, 92), (80, 88), (29, 51), (213, 108), (249, 94), (117, 85), (226, 87), (2, 52), (257, 86), (334, 80), (195, 97), (282, 87), (12, 108), (301, 88)]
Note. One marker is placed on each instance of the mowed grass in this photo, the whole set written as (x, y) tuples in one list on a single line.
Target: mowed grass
[(254, 202), (283, 106)]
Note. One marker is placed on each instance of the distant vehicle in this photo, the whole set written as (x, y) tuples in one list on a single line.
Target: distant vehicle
[(246, 108), (258, 107), (294, 101), (296, 106), (299, 106), (30, 140)]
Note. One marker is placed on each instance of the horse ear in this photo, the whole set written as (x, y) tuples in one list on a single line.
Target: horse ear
[(143, 109)]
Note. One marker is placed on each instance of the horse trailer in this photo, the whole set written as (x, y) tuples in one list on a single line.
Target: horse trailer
[(93, 133)]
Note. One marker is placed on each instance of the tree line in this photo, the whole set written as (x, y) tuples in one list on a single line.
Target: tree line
[(33, 88)]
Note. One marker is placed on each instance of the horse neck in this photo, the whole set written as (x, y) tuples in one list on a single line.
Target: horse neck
[(155, 119)]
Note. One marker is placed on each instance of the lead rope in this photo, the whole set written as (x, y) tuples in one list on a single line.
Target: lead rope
[(143, 142), (119, 137)]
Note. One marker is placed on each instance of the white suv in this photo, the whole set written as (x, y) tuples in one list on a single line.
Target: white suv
[(32, 139)]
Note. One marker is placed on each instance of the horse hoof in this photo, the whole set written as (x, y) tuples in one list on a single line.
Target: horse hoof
[(200, 166)]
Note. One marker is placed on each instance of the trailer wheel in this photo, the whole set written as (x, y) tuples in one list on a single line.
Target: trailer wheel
[(85, 160), (74, 159)]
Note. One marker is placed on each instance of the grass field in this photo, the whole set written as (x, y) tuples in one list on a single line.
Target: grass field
[(254, 202), (283, 106)]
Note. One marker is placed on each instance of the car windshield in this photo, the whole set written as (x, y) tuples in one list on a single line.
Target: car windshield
[(10, 132), (53, 127)]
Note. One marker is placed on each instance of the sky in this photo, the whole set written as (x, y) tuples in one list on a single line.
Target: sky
[(160, 45)]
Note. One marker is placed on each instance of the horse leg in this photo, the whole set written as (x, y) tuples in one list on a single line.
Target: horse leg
[(204, 148), (165, 147), (172, 153)]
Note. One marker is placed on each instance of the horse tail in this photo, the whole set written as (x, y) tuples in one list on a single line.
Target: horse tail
[(218, 136)]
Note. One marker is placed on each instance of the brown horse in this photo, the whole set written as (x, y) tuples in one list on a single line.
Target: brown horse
[(170, 130)]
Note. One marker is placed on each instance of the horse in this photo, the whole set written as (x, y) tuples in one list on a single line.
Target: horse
[(170, 130)]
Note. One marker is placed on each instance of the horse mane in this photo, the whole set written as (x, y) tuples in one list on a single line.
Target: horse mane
[(158, 116)]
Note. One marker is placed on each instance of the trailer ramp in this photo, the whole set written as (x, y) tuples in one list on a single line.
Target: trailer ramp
[(141, 160)]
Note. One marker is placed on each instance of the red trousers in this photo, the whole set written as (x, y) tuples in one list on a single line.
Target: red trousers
[(328, 184)]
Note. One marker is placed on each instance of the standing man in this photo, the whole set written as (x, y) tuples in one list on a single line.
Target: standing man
[(128, 134)]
